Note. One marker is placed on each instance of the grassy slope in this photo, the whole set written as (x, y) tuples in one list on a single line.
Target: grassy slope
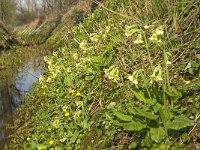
[(103, 90), (73, 16)]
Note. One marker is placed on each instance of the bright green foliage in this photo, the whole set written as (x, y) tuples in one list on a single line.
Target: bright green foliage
[(157, 134), (180, 122), (112, 84)]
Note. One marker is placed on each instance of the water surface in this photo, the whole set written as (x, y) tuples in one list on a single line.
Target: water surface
[(14, 83)]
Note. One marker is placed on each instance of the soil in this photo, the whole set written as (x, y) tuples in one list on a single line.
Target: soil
[(194, 143)]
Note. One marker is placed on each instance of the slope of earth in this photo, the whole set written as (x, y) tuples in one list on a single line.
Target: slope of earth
[(49, 27), (127, 77)]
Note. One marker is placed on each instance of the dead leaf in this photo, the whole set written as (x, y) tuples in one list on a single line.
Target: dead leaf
[(182, 62), (197, 56)]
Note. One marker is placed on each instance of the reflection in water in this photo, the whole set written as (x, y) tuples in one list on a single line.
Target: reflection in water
[(11, 95), (25, 78)]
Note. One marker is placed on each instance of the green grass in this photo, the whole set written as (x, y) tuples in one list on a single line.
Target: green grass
[(112, 85)]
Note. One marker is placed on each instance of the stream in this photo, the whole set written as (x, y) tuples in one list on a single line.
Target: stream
[(14, 84)]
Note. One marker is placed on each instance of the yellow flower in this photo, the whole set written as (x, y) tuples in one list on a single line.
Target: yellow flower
[(51, 142), (159, 41), (28, 139), (64, 108), (94, 37), (131, 78), (112, 73), (49, 79), (66, 114), (139, 39), (83, 45), (75, 56), (153, 37), (40, 148), (130, 30), (134, 77), (78, 94), (107, 29), (157, 74), (41, 80), (148, 26), (159, 30), (168, 62), (72, 91)]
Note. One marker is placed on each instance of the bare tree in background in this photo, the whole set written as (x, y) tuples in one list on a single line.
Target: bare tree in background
[(7, 11), (27, 10), (56, 6)]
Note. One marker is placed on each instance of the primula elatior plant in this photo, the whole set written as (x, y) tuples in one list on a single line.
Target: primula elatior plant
[(117, 82)]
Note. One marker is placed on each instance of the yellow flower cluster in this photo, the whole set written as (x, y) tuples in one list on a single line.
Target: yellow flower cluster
[(72, 91), (130, 30), (155, 35), (157, 74), (78, 94), (155, 38), (94, 37), (51, 142), (112, 73), (139, 39), (40, 148), (134, 77), (67, 114)]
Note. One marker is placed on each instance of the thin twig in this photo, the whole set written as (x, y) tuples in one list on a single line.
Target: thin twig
[(113, 147), (85, 30), (196, 122)]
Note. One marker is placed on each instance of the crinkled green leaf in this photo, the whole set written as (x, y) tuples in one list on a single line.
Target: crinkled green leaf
[(157, 107), (133, 126), (191, 71), (74, 137), (108, 116), (146, 114), (106, 58), (133, 145), (34, 145), (58, 148), (131, 109), (69, 80), (157, 134), (147, 141), (173, 93), (180, 122), (122, 116), (140, 96), (194, 64), (151, 101), (165, 115), (88, 78)]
